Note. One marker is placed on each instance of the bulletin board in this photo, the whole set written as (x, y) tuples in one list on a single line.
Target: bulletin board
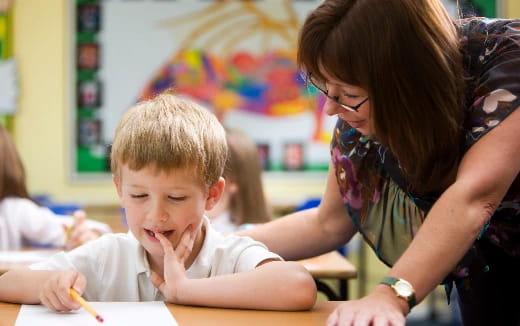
[(236, 58)]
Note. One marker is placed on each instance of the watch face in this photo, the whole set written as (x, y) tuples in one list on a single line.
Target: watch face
[(403, 289)]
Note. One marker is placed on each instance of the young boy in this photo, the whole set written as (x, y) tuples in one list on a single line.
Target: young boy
[(167, 158)]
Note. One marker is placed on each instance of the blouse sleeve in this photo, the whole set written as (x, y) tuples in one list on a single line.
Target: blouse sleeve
[(494, 73)]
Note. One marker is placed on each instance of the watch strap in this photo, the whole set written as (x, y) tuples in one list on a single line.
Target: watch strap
[(390, 281)]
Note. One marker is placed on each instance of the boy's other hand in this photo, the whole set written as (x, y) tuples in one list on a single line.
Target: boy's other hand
[(174, 269)]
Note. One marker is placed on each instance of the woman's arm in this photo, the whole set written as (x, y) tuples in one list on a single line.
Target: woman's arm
[(309, 232), (484, 176), (450, 228)]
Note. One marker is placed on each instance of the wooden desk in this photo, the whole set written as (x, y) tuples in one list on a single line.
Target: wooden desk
[(331, 265), (24, 258), (197, 316)]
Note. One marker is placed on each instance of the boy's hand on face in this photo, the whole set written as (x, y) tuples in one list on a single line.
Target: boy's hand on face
[(55, 292), (174, 270)]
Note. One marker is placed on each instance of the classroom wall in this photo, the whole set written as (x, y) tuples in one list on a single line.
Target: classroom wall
[(42, 128), (42, 125), (511, 8)]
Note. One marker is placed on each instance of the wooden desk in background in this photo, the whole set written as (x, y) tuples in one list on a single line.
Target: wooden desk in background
[(334, 266), (196, 316), (12, 259)]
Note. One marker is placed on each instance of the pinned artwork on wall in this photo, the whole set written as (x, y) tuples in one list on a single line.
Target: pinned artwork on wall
[(89, 132), (9, 88), (88, 56), (263, 155), (89, 94), (293, 156), (236, 58), (88, 18)]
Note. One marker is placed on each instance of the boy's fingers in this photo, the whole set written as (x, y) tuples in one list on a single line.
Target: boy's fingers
[(65, 281), (157, 281), (70, 279), (185, 244), (51, 301), (51, 295), (189, 246), (80, 283), (167, 246)]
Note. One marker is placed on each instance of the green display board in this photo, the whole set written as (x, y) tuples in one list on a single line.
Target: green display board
[(126, 51), (484, 8)]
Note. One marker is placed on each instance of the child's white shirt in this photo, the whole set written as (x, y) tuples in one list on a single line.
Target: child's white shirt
[(117, 269), (22, 222)]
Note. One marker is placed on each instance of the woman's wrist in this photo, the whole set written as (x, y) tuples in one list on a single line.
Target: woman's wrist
[(385, 290)]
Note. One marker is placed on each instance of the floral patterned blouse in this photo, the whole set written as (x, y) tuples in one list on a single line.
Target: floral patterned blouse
[(369, 178)]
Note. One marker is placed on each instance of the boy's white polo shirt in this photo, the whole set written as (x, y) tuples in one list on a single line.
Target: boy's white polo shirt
[(117, 269)]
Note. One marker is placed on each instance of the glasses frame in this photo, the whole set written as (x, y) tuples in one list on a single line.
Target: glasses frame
[(335, 99)]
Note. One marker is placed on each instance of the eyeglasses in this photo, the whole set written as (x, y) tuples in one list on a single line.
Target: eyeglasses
[(322, 87)]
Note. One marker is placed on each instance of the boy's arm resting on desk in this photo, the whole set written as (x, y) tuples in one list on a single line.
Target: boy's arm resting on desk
[(273, 285), (22, 285)]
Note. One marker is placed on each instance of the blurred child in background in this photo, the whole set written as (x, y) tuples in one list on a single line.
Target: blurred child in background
[(243, 202), (23, 222)]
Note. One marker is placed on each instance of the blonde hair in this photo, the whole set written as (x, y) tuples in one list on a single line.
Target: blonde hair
[(406, 55), (248, 204), (12, 172), (170, 132)]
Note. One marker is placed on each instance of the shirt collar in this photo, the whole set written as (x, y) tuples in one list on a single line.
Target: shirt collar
[(141, 263)]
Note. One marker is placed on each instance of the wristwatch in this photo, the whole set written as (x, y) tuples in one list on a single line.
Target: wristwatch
[(402, 289)]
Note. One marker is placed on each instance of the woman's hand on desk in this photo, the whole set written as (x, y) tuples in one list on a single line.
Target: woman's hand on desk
[(381, 307), (55, 292)]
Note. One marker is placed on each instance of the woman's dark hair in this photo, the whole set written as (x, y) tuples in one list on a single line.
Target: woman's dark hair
[(405, 54)]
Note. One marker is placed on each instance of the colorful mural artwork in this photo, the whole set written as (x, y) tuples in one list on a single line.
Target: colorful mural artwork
[(8, 70), (236, 58), (221, 72)]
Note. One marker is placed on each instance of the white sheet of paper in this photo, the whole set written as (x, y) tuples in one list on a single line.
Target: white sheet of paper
[(26, 256), (113, 313)]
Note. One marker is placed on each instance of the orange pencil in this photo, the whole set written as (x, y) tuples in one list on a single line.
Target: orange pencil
[(85, 305), (69, 229)]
